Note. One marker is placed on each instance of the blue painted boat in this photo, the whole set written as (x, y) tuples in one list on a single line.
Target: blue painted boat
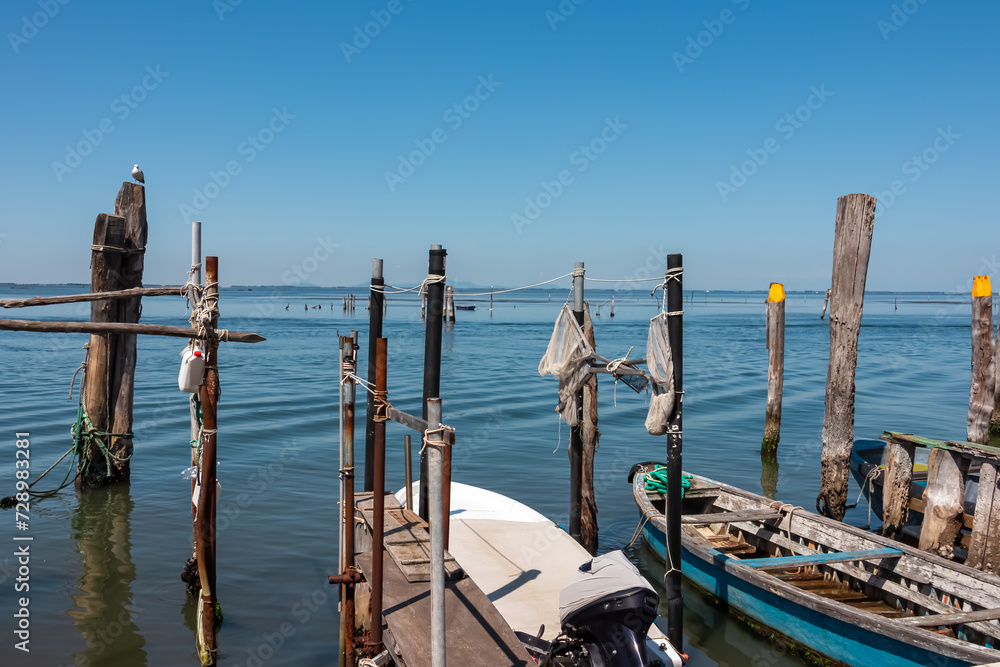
[(852, 596)]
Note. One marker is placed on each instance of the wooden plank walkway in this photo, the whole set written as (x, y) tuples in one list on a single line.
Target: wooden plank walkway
[(476, 632)]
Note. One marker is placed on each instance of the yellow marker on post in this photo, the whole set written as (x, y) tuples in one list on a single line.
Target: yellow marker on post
[(777, 292), (981, 286)]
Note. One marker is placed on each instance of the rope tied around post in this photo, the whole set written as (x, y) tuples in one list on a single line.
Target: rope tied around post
[(382, 406), (123, 251), (440, 430), (671, 274)]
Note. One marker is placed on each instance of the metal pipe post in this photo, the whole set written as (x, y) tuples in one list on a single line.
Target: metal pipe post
[(435, 469), (349, 365), (675, 334), (432, 351), (378, 520), (576, 434), (375, 310), (409, 472)]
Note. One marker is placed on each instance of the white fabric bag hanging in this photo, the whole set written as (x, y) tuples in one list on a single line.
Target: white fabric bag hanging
[(660, 362), (566, 358)]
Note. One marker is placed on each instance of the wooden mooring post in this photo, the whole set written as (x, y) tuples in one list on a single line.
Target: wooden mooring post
[(982, 387), (576, 432), (855, 223), (590, 436), (674, 279), (209, 610), (775, 367), (896, 487), (944, 502)]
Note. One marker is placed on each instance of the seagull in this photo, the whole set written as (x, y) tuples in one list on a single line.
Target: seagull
[(137, 174)]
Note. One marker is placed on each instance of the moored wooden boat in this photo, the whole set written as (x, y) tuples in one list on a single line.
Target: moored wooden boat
[(850, 595)]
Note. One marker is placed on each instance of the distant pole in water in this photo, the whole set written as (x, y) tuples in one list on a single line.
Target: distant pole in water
[(432, 351), (376, 297), (855, 223), (450, 303), (612, 303), (775, 367), (491, 300), (576, 435), (826, 300), (982, 387), (675, 334)]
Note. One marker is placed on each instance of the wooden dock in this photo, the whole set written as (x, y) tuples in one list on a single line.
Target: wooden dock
[(477, 634)]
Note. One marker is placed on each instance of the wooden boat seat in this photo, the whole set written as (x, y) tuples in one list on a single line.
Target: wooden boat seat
[(730, 517), (786, 562)]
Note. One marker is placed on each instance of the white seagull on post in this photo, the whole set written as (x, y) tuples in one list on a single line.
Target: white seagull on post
[(137, 174)]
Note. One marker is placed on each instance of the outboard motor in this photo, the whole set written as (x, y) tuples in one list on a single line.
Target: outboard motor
[(605, 610)]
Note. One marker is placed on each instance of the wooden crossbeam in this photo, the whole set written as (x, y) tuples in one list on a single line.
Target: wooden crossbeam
[(730, 517), (93, 296), (958, 618), (822, 559), (100, 328)]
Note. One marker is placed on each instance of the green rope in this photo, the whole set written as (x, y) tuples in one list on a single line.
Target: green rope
[(656, 480), (86, 436)]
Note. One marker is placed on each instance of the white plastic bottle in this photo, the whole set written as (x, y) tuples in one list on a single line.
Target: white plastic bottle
[(192, 369)]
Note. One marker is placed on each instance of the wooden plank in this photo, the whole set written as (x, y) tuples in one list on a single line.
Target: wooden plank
[(476, 632), (730, 517), (957, 618), (407, 541), (822, 558), (917, 505), (944, 500), (983, 381), (896, 487), (855, 223), (98, 329), (984, 452), (98, 296), (984, 547)]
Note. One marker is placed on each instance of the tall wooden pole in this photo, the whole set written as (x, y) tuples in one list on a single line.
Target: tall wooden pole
[(375, 312), (590, 436), (193, 406), (576, 433), (131, 205), (896, 487), (775, 367), (995, 421), (432, 351), (855, 223), (207, 638), (105, 261), (675, 432), (983, 362)]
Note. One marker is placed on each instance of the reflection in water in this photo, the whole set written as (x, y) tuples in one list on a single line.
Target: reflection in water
[(769, 474), (104, 613)]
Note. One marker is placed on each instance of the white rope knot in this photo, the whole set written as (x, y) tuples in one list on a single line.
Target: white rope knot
[(440, 430), (578, 272)]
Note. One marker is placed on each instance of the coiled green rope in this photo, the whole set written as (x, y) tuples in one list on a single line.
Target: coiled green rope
[(656, 480)]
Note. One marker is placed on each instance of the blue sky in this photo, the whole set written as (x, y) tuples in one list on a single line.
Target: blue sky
[(628, 126)]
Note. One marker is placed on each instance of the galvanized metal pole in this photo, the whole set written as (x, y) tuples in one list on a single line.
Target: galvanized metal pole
[(349, 365), (377, 304), (576, 434), (435, 466), (432, 350), (675, 334)]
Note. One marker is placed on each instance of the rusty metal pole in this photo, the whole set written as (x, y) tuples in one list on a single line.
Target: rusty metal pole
[(349, 349), (378, 527), (409, 472), (207, 641)]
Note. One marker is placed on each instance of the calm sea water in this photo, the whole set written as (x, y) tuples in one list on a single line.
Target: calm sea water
[(105, 586)]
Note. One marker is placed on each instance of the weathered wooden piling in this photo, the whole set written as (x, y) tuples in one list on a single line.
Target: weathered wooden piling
[(984, 547), (209, 609), (674, 279), (590, 441), (432, 350), (855, 222), (982, 387), (896, 487), (944, 502), (826, 300), (775, 367), (576, 432), (375, 313)]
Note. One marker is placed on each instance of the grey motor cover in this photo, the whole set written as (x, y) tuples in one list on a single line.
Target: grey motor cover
[(598, 578)]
